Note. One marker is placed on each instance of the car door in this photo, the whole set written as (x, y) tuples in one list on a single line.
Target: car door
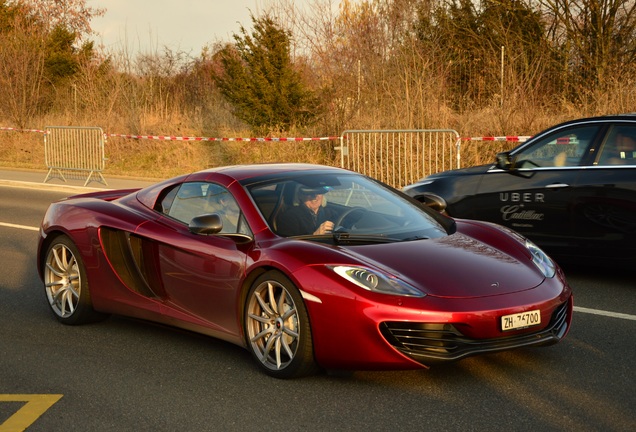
[(199, 274), (604, 198), (534, 194)]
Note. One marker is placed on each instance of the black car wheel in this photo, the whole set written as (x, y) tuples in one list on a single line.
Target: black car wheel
[(66, 285), (277, 327)]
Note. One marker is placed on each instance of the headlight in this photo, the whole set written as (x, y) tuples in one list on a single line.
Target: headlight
[(375, 281), (541, 260)]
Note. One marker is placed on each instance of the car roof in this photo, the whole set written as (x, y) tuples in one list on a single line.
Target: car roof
[(243, 174), (626, 117), (256, 172), (604, 118)]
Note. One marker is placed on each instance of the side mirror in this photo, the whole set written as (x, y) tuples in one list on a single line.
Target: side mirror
[(206, 224), (433, 201), (504, 161)]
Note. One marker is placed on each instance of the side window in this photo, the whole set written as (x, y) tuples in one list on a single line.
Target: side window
[(224, 204), (564, 148), (268, 199), (619, 147), (191, 200), (198, 198), (165, 203)]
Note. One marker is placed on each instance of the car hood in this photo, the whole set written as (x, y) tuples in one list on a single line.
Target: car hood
[(480, 169), (456, 266)]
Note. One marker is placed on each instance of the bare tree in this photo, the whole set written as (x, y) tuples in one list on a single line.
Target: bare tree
[(597, 38), (38, 53), (22, 57), (74, 15)]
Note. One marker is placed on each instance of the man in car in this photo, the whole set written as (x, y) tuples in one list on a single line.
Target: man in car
[(623, 152), (308, 217)]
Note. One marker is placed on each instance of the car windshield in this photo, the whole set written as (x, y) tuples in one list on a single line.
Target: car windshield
[(358, 208)]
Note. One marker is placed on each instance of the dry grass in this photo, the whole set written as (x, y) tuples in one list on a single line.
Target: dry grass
[(22, 149), (167, 158), (153, 158)]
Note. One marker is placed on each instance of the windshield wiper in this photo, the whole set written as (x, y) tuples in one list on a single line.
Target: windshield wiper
[(344, 237), (347, 238), (417, 237)]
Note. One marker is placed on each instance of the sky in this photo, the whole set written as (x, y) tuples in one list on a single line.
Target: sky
[(181, 25)]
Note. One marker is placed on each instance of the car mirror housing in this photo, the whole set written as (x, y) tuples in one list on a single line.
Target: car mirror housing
[(206, 224), (438, 204), (504, 161), (433, 201)]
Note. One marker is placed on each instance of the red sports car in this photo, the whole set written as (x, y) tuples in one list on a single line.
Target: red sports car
[(306, 266)]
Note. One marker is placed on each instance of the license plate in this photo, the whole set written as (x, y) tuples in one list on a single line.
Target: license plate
[(520, 320)]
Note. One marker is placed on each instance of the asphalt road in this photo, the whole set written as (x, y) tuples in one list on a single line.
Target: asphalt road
[(128, 375)]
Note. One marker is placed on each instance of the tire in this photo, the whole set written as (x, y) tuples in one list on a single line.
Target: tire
[(66, 284), (279, 340)]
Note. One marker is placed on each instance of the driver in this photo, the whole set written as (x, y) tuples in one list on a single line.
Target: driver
[(309, 217), (624, 150)]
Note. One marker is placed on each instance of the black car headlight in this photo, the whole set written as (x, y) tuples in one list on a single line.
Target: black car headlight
[(373, 280), (543, 262)]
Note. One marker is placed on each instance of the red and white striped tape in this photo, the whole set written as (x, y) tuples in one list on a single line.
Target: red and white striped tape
[(21, 130), (181, 138), (187, 138), (514, 138)]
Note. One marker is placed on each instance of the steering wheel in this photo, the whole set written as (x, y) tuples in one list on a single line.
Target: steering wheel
[(343, 216)]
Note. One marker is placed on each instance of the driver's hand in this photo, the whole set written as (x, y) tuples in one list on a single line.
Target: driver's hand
[(324, 228)]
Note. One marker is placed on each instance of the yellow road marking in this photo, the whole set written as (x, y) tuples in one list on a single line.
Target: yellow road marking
[(35, 406)]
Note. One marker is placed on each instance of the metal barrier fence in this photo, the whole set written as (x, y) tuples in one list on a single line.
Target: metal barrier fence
[(400, 157), (74, 150)]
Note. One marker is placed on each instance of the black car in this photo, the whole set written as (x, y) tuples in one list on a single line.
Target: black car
[(571, 189)]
